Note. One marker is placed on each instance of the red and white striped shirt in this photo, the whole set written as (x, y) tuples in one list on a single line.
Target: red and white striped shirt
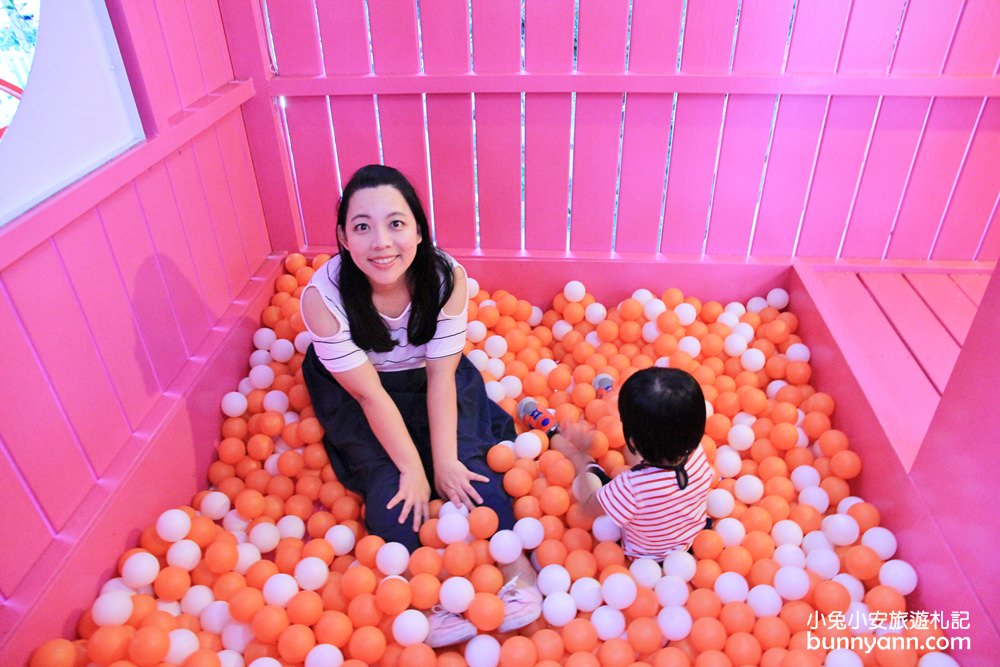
[(657, 516)]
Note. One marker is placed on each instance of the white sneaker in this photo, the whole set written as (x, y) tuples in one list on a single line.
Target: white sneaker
[(522, 604), (447, 628)]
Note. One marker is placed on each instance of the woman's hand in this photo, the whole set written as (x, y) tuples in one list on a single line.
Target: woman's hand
[(415, 494), (454, 482)]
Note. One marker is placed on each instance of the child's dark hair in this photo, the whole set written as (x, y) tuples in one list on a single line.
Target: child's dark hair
[(663, 414), (429, 278)]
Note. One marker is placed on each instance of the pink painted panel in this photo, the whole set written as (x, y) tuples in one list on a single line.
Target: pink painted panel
[(210, 39), (21, 518), (242, 182), (344, 32), (548, 37), (741, 162), (394, 37), (33, 415), (546, 170), (355, 132), (760, 45), (147, 40), (496, 37), (96, 280), (449, 131), (295, 35), (975, 49), (498, 152), (924, 335), (708, 36), (401, 118), (128, 236), (973, 284), (172, 257), (817, 35), (871, 32), (595, 171), (990, 249), (949, 303), (311, 139), (792, 152), (975, 195), (939, 155), (896, 135), (926, 34), (848, 122), (176, 30), (602, 37), (644, 164), (656, 27), (689, 181), (440, 22)]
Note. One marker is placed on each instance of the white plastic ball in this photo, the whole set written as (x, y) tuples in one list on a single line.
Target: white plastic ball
[(595, 313), (140, 569), (282, 350), (235, 638), (496, 368), (606, 530), (815, 539), (791, 582), (619, 590), (764, 601), (279, 589), (495, 391), (512, 385), (686, 313), (898, 574), (261, 377), (608, 621), (741, 437), (530, 530), (881, 541), (505, 546), (215, 617), (265, 536), (653, 308), (235, 522), (734, 345), (746, 331), (527, 445), (773, 387), (574, 291), (215, 504), (748, 489), (183, 643), (410, 627), (392, 558), (756, 304), (650, 332), (113, 608), (680, 564), (675, 623), (173, 525), (786, 531), (671, 591), (559, 609), (753, 360), (275, 401), (482, 651), (731, 587), (805, 476), (196, 599), (536, 316), (798, 352), (720, 503), (263, 338), (545, 366), (778, 298), (495, 346), (185, 554), (311, 573), (449, 507), (586, 593), (642, 295), (303, 340), (937, 659), (858, 617), (234, 404), (116, 584), (732, 531), (476, 331), (341, 538), (248, 555), (690, 344), (847, 503), (815, 496), (266, 661), (728, 462), (840, 529), (456, 594), (291, 526), (553, 578), (230, 658), (823, 562), (789, 554), (478, 359), (471, 286), (646, 572), (854, 587), (325, 655), (843, 657), (560, 329), (728, 318), (453, 527)]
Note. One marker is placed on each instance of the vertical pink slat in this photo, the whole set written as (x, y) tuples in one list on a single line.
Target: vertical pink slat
[(401, 118), (548, 37), (123, 223), (147, 40), (394, 37), (210, 40), (644, 164), (449, 130), (871, 32), (311, 140), (498, 147), (817, 34), (955, 310), (975, 49), (975, 195), (924, 39), (793, 149), (296, 37), (344, 33), (546, 170), (602, 36), (49, 309), (21, 519), (689, 184), (896, 134), (595, 170), (496, 37), (744, 143), (355, 132), (242, 182), (843, 145), (939, 155), (760, 45), (183, 53), (656, 26), (708, 36), (990, 249), (440, 23), (92, 270)]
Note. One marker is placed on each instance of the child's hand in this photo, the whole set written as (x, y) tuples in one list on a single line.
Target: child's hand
[(576, 437)]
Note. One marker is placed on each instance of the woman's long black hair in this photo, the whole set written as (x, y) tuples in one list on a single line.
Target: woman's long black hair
[(429, 277)]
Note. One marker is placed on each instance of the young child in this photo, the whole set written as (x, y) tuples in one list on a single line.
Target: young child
[(659, 502)]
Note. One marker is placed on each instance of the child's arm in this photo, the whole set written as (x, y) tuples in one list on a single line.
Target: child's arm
[(571, 442)]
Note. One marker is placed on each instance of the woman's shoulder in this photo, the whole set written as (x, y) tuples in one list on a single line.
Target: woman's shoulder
[(327, 278)]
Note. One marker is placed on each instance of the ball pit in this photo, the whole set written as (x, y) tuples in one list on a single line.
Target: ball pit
[(271, 565)]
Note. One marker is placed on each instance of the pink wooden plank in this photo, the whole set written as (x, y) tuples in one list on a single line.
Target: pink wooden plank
[(210, 39), (923, 41), (440, 22), (295, 35), (990, 249), (133, 251), (402, 121), (924, 335), (817, 35), (198, 226), (744, 144), (355, 132), (50, 312), (843, 145), (950, 304), (21, 518), (449, 131), (644, 163), (708, 36), (689, 182), (871, 32), (91, 268), (760, 45), (793, 149), (546, 170), (498, 152), (939, 155), (311, 140), (145, 40), (975, 50), (973, 284), (496, 36), (975, 194), (58, 473), (656, 27), (602, 37), (595, 171), (176, 28), (394, 37), (896, 135), (344, 33), (242, 182), (548, 37)]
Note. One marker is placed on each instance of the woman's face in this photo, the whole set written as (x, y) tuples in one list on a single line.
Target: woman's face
[(381, 235)]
